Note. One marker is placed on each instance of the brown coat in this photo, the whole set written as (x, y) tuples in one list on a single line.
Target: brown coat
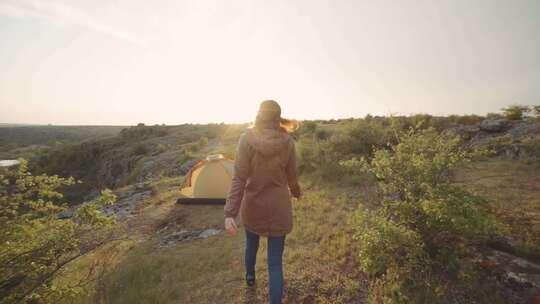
[(264, 170)]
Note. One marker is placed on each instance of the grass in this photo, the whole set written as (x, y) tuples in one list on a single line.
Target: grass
[(319, 260), (211, 270), (513, 189), (203, 271)]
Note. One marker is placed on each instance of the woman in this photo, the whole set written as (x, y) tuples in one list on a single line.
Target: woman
[(264, 171)]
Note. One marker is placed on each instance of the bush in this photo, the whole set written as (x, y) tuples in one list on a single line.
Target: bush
[(36, 244), (385, 244), (139, 149), (516, 112), (160, 148), (424, 223), (307, 127), (203, 141)]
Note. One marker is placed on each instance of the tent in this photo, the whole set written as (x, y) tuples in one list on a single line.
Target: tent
[(208, 181)]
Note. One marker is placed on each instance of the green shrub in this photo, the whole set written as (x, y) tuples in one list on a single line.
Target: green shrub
[(385, 244), (136, 172), (203, 141), (160, 148), (494, 115), (516, 112), (307, 127), (423, 224), (36, 244), (139, 149), (141, 132)]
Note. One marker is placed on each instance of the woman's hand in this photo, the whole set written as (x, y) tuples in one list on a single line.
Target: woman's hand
[(230, 225)]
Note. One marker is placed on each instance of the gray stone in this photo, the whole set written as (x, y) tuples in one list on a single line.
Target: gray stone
[(68, 213), (208, 232), (185, 235), (464, 131), (9, 163), (524, 129), (520, 278), (512, 151), (494, 125)]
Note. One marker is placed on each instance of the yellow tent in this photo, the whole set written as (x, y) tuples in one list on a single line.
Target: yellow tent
[(208, 181)]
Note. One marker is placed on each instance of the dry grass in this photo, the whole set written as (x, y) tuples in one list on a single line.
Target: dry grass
[(513, 188), (319, 264), (211, 270)]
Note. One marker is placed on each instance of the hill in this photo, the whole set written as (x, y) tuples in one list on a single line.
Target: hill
[(23, 140)]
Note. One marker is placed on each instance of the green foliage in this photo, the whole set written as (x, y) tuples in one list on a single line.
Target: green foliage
[(515, 112), (494, 115), (196, 146), (386, 245), (160, 148), (536, 110), (203, 141), (36, 244), (424, 222), (321, 148), (141, 131), (307, 127), (136, 172), (139, 149)]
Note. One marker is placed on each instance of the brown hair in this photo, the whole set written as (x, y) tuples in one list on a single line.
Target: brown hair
[(269, 117)]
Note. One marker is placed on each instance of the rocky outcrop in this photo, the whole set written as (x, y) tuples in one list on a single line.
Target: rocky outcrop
[(518, 273), (524, 129), (519, 278), (175, 237), (128, 200), (466, 132), (509, 139), (127, 204), (494, 125)]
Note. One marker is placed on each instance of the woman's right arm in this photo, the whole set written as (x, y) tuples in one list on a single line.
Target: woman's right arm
[(292, 176)]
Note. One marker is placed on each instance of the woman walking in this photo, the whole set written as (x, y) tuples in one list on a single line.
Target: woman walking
[(264, 172)]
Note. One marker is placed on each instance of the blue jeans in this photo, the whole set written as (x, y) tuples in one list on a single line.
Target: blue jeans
[(275, 266)]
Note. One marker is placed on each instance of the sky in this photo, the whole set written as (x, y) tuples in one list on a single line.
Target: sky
[(129, 61)]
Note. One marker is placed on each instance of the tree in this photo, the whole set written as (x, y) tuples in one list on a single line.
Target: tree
[(36, 244), (516, 112)]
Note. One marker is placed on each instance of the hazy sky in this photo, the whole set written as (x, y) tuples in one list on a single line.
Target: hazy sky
[(130, 61)]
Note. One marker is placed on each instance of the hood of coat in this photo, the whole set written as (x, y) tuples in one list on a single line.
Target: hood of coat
[(268, 141)]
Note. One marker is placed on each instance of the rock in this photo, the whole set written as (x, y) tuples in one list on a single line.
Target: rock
[(524, 129), (494, 125), (512, 151), (68, 213), (185, 235), (519, 279), (466, 132), (9, 163), (208, 232), (142, 186)]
